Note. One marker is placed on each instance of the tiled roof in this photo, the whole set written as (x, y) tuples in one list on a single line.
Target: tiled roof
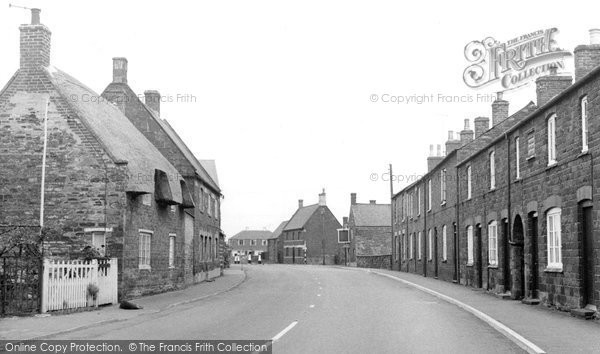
[(118, 135), (252, 235), (371, 214), (279, 229), (301, 217)]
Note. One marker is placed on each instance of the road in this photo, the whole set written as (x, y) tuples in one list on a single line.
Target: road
[(325, 309)]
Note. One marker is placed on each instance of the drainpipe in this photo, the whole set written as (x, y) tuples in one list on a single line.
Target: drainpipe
[(457, 249), (392, 209), (508, 205), (44, 151), (425, 235)]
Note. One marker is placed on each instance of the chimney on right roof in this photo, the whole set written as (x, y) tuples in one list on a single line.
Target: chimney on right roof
[(34, 43), (120, 70), (352, 198), (482, 124), (300, 203), (466, 135), (549, 86), (499, 110), (452, 143), (587, 57)]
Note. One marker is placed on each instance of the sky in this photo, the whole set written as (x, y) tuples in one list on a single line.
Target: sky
[(281, 93)]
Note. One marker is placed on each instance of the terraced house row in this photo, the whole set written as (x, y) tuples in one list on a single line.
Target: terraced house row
[(512, 208), (116, 176)]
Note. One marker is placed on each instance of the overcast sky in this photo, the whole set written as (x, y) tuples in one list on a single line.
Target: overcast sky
[(283, 89)]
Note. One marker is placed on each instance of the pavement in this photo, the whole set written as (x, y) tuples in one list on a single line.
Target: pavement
[(51, 325), (550, 330)]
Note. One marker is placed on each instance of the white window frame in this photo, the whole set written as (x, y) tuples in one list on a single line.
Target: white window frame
[(411, 246), (252, 242), (418, 201), (264, 242), (470, 245), (443, 186), (584, 127), (469, 182), (404, 248), (146, 199), (492, 170), (551, 127), (554, 239), (493, 243), (145, 249), (430, 245), (444, 244), (429, 195), (517, 158), (419, 246), (530, 138), (172, 243)]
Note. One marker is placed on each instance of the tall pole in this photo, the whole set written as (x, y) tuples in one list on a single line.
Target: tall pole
[(392, 217), (44, 163)]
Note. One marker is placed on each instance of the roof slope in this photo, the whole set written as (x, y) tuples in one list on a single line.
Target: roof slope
[(301, 217), (372, 214), (252, 235), (211, 167), (118, 135), (279, 229)]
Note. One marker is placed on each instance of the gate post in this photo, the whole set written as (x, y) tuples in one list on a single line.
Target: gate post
[(45, 274)]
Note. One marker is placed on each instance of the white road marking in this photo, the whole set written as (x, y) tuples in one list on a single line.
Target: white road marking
[(318, 294), (311, 306), (285, 330)]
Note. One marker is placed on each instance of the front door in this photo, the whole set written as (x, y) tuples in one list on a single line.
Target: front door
[(479, 257), (588, 257)]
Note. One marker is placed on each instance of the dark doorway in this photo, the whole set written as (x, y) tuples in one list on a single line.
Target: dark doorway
[(506, 256), (455, 248), (435, 252), (479, 256), (533, 232), (518, 278), (588, 254)]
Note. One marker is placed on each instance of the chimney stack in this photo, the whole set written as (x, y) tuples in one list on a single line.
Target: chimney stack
[(451, 144), (499, 110), (322, 199), (120, 70), (434, 159), (35, 43), (587, 57), (547, 87), (352, 198), (482, 124), (345, 222), (300, 203), (439, 150), (372, 202), (152, 100), (466, 135)]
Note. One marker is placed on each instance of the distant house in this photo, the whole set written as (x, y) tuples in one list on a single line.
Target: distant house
[(370, 230), (203, 242), (311, 235), (250, 242), (275, 246)]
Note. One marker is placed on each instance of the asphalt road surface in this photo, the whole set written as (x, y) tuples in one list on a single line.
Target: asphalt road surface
[(313, 309)]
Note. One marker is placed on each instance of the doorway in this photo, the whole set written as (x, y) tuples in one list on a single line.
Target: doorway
[(435, 252), (506, 256), (479, 256), (588, 253), (518, 281), (533, 232)]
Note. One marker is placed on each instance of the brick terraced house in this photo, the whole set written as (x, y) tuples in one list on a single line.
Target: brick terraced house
[(370, 230), (250, 243), (203, 241), (106, 185), (311, 235), (514, 209)]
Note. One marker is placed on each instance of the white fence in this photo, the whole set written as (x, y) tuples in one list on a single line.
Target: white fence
[(65, 284)]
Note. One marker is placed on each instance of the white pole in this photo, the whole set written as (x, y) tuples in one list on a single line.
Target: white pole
[(44, 163)]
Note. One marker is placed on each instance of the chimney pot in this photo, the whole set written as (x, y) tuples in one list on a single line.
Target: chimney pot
[(322, 198), (430, 150), (120, 70), (467, 124), (152, 100), (35, 16), (450, 135), (439, 150), (352, 198)]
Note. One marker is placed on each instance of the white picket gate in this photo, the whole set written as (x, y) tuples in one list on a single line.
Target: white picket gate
[(65, 284)]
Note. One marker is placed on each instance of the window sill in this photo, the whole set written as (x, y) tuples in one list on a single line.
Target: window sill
[(553, 269), (551, 165), (493, 266), (145, 267), (444, 261), (443, 203), (470, 264), (493, 189), (583, 153), (530, 157)]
